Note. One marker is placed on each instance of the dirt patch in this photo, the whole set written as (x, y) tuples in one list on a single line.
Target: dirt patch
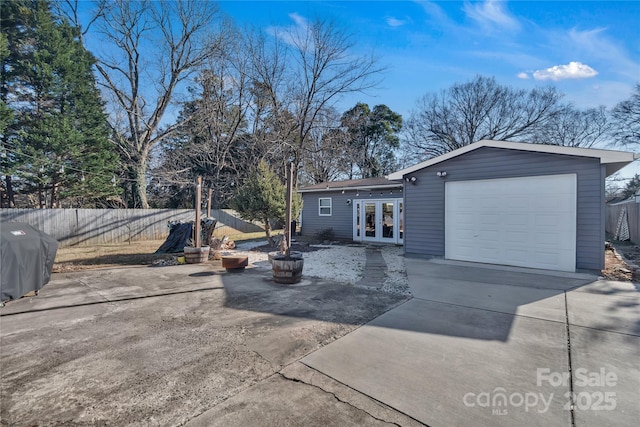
[(618, 269), (629, 250)]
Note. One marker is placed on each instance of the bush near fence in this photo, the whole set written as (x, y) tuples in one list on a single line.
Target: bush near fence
[(633, 214), (80, 227)]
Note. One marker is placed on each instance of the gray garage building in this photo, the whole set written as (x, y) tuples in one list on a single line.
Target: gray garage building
[(509, 203), (496, 202)]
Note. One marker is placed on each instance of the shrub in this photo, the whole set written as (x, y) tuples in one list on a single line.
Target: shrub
[(326, 234)]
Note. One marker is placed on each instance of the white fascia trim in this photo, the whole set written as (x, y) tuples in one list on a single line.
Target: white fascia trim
[(605, 156), (338, 189)]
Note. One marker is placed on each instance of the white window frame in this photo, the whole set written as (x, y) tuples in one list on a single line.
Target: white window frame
[(320, 207)]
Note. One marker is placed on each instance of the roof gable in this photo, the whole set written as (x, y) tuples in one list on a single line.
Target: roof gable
[(614, 160)]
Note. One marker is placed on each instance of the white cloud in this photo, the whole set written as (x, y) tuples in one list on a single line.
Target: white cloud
[(395, 22), (572, 70), (433, 10), (523, 76), (300, 21), (490, 14), (595, 44)]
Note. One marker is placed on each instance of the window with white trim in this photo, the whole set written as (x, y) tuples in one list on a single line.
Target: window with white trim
[(324, 206)]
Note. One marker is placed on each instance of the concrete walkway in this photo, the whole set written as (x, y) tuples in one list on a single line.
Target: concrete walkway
[(375, 268), (498, 346)]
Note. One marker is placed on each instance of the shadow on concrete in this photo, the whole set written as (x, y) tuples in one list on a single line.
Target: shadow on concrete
[(452, 300), (312, 298), (106, 301), (250, 290)]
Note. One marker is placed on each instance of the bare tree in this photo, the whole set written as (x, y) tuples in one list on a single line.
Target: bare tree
[(626, 118), (571, 127), (210, 144), (325, 70), (329, 156), (299, 74), (272, 124), (476, 110), (153, 47)]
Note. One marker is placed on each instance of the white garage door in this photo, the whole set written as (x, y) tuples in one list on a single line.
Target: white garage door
[(526, 222)]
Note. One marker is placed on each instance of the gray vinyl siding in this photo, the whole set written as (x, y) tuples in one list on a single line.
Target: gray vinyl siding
[(341, 219), (424, 202)]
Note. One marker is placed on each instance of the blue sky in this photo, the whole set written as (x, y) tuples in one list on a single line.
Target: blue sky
[(590, 50)]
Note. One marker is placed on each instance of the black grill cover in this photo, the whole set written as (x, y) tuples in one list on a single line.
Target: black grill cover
[(26, 260)]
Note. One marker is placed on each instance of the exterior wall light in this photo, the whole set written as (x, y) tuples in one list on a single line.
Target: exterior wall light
[(441, 174), (411, 180)]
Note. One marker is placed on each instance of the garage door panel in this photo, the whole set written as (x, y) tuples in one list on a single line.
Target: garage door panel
[(529, 222), (521, 255), (542, 240), (555, 222), (517, 202), (514, 237), (464, 222), (487, 204), (516, 220), (489, 221)]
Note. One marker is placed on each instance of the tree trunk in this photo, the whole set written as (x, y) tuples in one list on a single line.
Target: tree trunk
[(138, 175), (267, 230), (11, 203), (54, 196), (42, 200)]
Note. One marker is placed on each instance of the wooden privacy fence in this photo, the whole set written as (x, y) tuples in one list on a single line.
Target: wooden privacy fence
[(98, 226), (633, 215)]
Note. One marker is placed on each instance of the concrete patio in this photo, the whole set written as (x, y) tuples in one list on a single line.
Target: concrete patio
[(194, 345)]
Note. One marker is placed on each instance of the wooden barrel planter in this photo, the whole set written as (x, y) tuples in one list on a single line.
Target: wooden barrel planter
[(272, 255), (235, 264), (196, 255), (287, 271)]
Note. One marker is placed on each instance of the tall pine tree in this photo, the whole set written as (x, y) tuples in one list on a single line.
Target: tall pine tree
[(56, 140)]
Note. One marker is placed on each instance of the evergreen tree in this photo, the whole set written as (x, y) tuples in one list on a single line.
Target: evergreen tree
[(58, 138), (373, 135), (263, 198)]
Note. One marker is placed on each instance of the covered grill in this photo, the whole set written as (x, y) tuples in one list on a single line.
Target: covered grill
[(26, 259)]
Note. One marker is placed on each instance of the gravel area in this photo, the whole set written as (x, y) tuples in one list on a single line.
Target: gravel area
[(396, 281), (344, 264), (340, 263)]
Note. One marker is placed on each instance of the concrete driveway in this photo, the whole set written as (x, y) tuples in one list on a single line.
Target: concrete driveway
[(498, 346)]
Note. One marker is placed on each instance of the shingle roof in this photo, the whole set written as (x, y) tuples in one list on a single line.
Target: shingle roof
[(353, 184)]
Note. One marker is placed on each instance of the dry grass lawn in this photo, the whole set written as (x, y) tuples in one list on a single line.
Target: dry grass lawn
[(76, 258)]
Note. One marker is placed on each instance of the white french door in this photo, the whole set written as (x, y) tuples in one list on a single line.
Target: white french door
[(378, 221)]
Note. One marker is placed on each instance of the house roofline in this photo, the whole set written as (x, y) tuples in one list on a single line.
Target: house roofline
[(357, 187), (615, 160)]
